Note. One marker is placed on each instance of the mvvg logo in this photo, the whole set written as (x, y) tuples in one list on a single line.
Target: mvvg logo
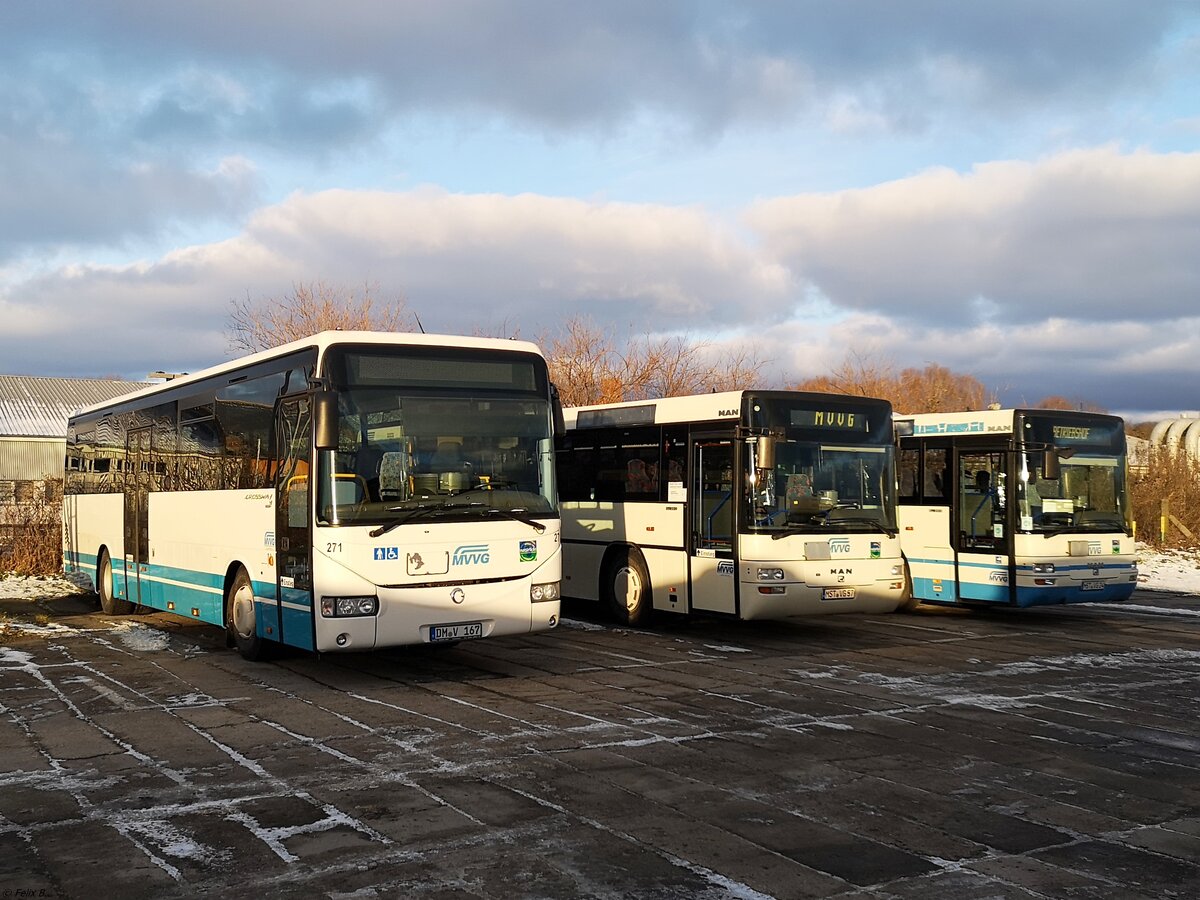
[(839, 546), (725, 567), (998, 577), (472, 554)]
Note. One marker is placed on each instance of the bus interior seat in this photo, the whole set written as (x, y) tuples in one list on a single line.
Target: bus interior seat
[(392, 472)]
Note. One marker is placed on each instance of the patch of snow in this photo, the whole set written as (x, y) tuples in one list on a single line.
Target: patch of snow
[(138, 637), (724, 648), (35, 630), (35, 587), (579, 626), (1177, 571), (1152, 610)]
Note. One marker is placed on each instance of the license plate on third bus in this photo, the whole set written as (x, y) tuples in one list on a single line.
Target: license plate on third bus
[(837, 594), (458, 632), (1092, 585)]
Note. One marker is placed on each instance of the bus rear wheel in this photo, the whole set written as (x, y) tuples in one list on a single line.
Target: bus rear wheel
[(240, 618), (625, 587), (110, 604)]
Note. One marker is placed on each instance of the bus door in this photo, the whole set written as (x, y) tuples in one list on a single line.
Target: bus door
[(713, 569), (293, 522), (139, 469), (984, 536), (925, 513)]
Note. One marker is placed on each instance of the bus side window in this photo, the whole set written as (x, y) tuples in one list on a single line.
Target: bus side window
[(937, 481), (909, 464)]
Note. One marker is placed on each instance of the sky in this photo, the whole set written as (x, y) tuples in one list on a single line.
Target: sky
[(1010, 190)]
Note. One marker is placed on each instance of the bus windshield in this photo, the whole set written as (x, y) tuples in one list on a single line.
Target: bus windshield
[(817, 487), (449, 434), (1089, 493), (1083, 498)]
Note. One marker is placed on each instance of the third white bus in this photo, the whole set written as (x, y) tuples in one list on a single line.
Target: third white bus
[(1015, 507)]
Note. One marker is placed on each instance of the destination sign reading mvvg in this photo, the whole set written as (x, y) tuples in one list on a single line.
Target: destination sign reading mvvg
[(841, 420)]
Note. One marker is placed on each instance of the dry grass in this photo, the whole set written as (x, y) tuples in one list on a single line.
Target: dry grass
[(1174, 477), (31, 537)]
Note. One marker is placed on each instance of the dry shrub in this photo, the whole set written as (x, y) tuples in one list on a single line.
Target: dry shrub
[(1173, 476), (31, 533)]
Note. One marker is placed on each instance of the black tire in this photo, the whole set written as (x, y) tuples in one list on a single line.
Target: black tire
[(240, 618), (909, 603), (625, 587), (112, 606)]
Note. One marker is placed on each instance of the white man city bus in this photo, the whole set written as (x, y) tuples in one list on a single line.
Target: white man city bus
[(752, 504), (347, 491), (1015, 507)]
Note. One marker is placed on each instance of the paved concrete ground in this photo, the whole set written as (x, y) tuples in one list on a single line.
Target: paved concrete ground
[(1048, 753)]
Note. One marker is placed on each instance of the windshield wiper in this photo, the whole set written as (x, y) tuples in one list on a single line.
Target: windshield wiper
[(859, 520), (1086, 528), (789, 530), (411, 513), (478, 505), (518, 515)]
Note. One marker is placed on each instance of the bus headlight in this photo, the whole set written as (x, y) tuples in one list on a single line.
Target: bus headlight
[(770, 574), (1043, 568), (341, 607), (539, 593)]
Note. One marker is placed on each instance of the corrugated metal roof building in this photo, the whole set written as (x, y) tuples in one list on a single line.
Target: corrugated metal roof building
[(33, 422)]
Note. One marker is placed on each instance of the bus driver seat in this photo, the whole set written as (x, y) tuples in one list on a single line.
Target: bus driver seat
[(447, 457)]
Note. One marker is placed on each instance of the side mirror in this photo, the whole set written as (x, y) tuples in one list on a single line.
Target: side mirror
[(560, 424), (764, 446), (325, 420), (1050, 467)]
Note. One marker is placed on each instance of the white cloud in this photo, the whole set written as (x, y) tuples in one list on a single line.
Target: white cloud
[(970, 272), (480, 254), (464, 262), (1083, 234)]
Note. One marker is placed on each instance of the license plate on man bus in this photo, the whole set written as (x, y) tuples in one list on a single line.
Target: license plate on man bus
[(1092, 585), (837, 594), (458, 632)]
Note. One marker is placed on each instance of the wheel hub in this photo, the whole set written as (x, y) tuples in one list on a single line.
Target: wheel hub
[(243, 612), (627, 587)]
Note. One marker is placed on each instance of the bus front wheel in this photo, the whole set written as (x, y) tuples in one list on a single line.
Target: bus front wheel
[(240, 618), (110, 604), (626, 587), (908, 602)]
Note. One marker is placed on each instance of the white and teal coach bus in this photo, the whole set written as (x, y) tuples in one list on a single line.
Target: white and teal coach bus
[(1015, 507), (746, 504), (348, 491)]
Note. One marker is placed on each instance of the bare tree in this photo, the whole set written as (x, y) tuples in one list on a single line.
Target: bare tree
[(579, 360), (1057, 401), (590, 365), (937, 389), (932, 389), (309, 308), (857, 377)]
